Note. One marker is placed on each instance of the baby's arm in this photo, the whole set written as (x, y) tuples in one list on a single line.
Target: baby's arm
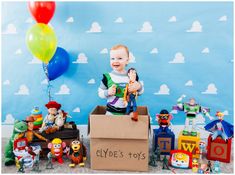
[(104, 91)]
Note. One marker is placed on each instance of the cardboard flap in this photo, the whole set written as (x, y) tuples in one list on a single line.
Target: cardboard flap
[(118, 127)]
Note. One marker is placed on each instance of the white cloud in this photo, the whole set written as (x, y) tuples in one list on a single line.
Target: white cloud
[(174, 112), (132, 58), (45, 81), (189, 83), (23, 90), (18, 52), (223, 18), (119, 20), (200, 119), (77, 109), (11, 29), (211, 89), (146, 27), (196, 27), (35, 61), (226, 112), (6, 82), (82, 59), (179, 58), (104, 51), (95, 28), (29, 20), (172, 19), (91, 81), (9, 119), (164, 90), (232, 61), (154, 51), (206, 50), (70, 20), (64, 90)]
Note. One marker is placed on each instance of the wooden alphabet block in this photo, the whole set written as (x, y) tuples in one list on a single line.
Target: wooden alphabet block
[(165, 141), (219, 149), (189, 143)]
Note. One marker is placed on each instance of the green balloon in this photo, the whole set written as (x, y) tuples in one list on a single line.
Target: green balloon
[(41, 41)]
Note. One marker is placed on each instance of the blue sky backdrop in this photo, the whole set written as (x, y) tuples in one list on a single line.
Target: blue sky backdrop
[(177, 48)]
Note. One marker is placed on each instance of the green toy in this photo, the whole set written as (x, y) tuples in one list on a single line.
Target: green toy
[(19, 128)]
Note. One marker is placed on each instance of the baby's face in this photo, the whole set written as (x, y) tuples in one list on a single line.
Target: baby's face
[(118, 59)]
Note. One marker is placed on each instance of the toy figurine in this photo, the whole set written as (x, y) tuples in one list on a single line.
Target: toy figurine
[(49, 164), (195, 166), (21, 166), (49, 121), (158, 153), (19, 127), (56, 147), (216, 167), (77, 153), (202, 148), (29, 134), (191, 109), (209, 166), (202, 169), (165, 163), (220, 128), (164, 119), (130, 96), (37, 114), (153, 159)]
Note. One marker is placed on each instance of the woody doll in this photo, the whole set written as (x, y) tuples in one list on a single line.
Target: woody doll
[(130, 96), (29, 134)]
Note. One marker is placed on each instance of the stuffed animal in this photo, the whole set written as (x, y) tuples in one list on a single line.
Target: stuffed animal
[(20, 128), (56, 147), (77, 154)]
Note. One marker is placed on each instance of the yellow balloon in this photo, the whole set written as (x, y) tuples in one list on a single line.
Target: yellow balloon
[(41, 41)]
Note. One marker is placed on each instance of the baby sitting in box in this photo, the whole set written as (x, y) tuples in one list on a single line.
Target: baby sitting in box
[(114, 83)]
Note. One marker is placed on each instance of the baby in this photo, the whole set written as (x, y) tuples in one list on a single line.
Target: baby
[(113, 84)]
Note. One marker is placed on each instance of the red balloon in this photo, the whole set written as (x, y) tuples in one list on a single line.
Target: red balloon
[(42, 11)]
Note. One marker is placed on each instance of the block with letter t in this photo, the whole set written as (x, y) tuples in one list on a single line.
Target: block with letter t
[(165, 141), (219, 149), (189, 143)]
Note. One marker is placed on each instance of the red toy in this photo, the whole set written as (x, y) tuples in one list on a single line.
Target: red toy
[(56, 147), (219, 149), (180, 159)]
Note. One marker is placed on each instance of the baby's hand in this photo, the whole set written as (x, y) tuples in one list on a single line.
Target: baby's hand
[(112, 90), (134, 86)]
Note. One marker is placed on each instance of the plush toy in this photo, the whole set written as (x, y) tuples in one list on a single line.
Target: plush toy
[(19, 127), (56, 147), (220, 128), (77, 153), (216, 167), (49, 121), (195, 165)]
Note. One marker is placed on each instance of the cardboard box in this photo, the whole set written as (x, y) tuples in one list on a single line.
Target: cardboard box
[(189, 143), (165, 141), (219, 150), (117, 142)]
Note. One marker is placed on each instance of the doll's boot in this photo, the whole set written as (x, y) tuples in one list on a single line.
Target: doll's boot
[(135, 116)]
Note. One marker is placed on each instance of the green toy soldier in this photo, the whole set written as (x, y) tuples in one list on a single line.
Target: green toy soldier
[(21, 169), (153, 158), (158, 153), (165, 163), (49, 164)]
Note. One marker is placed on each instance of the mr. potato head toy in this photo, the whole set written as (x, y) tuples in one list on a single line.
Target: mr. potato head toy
[(56, 146)]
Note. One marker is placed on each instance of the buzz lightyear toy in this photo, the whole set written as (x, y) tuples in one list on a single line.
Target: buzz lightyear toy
[(191, 109)]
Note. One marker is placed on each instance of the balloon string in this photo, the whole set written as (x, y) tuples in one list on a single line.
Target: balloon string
[(45, 67)]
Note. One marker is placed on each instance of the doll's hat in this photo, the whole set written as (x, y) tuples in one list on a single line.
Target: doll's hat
[(53, 104), (30, 119)]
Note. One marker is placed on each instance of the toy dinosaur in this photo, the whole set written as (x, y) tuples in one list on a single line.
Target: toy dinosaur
[(19, 127)]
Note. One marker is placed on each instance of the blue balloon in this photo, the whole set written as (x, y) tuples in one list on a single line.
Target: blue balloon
[(58, 64)]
